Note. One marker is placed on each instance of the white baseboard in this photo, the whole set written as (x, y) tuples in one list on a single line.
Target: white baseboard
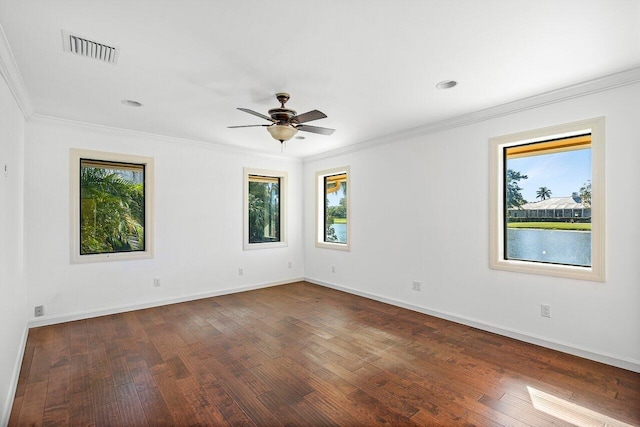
[(52, 320), (13, 385), (631, 365)]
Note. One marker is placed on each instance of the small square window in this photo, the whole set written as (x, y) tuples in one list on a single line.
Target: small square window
[(111, 206), (332, 217), (264, 209)]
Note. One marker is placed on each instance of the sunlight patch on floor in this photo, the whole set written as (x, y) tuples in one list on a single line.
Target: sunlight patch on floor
[(569, 411)]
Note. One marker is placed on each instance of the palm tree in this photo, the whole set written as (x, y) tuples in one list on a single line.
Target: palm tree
[(111, 212), (543, 193)]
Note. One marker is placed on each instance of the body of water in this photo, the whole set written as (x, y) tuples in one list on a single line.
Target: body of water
[(341, 232), (554, 246)]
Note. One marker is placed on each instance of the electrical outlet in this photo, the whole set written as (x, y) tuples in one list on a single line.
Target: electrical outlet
[(417, 286), (39, 310), (156, 282), (290, 264), (545, 310), (240, 272), (333, 268)]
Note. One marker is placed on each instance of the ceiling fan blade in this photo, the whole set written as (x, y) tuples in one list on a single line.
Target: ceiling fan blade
[(315, 129), (255, 113), (248, 126), (309, 116)]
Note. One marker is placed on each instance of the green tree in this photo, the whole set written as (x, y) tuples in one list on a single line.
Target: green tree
[(514, 195), (543, 193), (339, 211), (112, 212), (585, 193), (264, 212)]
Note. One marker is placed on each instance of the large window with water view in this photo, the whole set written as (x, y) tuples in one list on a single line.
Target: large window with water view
[(548, 201)]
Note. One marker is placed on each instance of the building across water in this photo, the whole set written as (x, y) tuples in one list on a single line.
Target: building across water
[(553, 209)]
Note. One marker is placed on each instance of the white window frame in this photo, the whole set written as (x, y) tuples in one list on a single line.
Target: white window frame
[(283, 209), (74, 174), (596, 272), (320, 231)]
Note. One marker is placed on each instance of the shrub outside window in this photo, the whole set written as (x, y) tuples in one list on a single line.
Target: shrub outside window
[(264, 211), (332, 216), (111, 198), (547, 201)]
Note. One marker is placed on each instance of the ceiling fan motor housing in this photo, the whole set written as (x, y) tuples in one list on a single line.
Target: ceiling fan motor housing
[(282, 116)]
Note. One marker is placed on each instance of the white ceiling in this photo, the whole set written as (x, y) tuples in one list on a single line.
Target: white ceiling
[(370, 65)]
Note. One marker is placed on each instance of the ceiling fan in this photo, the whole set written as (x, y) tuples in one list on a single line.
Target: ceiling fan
[(285, 122)]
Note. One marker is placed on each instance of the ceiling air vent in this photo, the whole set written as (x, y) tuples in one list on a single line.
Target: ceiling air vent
[(84, 47)]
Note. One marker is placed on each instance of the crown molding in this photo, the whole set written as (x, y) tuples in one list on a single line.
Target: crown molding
[(601, 84), (35, 118), (9, 70)]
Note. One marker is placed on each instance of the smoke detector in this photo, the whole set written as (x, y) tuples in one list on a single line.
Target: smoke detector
[(82, 46)]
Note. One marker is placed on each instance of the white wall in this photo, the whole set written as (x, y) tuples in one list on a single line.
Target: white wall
[(198, 225), (419, 211), (13, 314)]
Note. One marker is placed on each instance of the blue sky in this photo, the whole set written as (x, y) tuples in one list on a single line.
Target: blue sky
[(334, 198), (562, 173)]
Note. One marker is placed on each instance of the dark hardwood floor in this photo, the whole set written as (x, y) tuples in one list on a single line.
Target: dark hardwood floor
[(301, 354)]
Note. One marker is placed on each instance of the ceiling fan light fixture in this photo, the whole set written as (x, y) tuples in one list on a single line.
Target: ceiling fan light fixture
[(282, 132)]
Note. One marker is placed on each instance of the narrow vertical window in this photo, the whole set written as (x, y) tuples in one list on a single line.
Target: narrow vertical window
[(264, 209), (547, 201), (333, 209), (111, 206)]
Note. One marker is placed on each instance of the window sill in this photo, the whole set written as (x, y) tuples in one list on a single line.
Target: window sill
[(334, 246)]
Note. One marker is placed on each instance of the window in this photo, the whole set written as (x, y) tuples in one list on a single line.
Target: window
[(332, 209), (111, 206), (547, 201), (264, 209)]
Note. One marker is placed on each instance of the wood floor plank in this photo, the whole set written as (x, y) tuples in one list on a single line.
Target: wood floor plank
[(82, 416), (181, 411), (153, 404), (56, 410), (301, 354), (32, 408), (129, 404), (108, 415)]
